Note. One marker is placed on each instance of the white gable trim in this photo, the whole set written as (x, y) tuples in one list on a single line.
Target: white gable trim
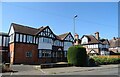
[(47, 33), (84, 40), (69, 37), (11, 30)]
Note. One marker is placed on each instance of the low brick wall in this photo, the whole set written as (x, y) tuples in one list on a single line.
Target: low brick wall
[(43, 66)]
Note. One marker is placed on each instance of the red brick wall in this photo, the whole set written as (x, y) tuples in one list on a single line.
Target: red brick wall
[(20, 53), (44, 60)]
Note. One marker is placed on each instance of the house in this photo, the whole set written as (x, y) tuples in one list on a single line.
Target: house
[(4, 47), (114, 45), (94, 45), (77, 41), (37, 45)]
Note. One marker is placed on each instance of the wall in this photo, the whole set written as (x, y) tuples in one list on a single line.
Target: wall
[(20, 53)]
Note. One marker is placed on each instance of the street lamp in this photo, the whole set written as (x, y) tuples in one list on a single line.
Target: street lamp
[(74, 23)]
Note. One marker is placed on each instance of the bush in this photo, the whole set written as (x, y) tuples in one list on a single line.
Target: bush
[(77, 56), (107, 59)]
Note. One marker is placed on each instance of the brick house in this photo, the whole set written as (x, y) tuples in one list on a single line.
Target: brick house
[(94, 45), (4, 47), (37, 45), (114, 45)]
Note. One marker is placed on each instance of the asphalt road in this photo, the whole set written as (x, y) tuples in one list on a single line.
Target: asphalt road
[(108, 71), (31, 70)]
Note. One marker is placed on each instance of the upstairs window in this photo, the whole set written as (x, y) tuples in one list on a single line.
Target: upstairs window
[(67, 44), (29, 39), (24, 38), (17, 37), (21, 37)]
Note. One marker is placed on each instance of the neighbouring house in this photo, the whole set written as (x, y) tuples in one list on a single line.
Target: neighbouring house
[(4, 47), (94, 45), (114, 45), (77, 41), (37, 45)]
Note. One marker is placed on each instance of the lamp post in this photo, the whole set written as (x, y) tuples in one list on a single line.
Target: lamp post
[(74, 23)]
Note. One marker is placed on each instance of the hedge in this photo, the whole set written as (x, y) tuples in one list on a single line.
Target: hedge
[(107, 59), (77, 56)]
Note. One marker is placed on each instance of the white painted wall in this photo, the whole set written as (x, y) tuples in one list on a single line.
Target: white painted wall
[(84, 40), (93, 46), (69, 37), (11, 30), (44, 46)]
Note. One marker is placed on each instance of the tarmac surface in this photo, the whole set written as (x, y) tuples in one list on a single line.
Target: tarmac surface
[(36, 70)]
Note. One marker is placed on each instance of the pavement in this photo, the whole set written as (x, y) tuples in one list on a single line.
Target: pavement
[(36, 70), (73, 69)]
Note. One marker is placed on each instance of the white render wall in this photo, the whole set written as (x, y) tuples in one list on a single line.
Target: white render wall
[(84, 40), (11, 30), (93, 46)]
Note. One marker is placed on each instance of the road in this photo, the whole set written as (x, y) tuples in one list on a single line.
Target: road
[(32, 70), (110, 71)]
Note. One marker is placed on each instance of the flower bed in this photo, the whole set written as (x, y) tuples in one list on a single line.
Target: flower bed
[(112, 59)]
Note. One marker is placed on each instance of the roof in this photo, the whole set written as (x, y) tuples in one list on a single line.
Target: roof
[(104, 41), (25, 29), (115, 42), (34, 31), (91, 39), (2, 33), (62, 36)]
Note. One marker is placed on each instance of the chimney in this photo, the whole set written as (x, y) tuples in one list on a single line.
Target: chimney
[(114, 38), (76, 37), (97, 35)]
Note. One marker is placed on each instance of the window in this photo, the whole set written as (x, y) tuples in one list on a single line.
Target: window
[(45, 40), (57, 42), (65, 53), (20, 37), (84, 40), (29, 39), (7, 41), (40, 53), (67, 44), (24, 38), (4, 40), (44, 53), (28, 54), (17, 37), (0, 40), (36, 40)]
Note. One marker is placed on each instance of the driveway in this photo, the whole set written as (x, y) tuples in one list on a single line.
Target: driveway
[(35, 70), (24, 70)]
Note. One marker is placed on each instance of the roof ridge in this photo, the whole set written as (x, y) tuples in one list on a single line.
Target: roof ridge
[(64, 33), (23, 25)]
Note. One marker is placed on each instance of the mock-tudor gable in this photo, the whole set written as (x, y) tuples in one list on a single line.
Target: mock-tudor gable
[(66, 36), (11, 31), (69, 37), (47, 32), (84, 40)]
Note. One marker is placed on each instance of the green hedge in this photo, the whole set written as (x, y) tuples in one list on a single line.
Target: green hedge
[(106, 60), (77, 56)]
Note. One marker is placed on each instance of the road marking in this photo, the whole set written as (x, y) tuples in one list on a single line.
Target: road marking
[(42, 71)]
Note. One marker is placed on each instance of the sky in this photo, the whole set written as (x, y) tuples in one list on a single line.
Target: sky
[(92, 17)]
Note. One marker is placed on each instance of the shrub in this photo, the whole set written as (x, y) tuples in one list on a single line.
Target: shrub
[(77, 56), (107, 59)]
